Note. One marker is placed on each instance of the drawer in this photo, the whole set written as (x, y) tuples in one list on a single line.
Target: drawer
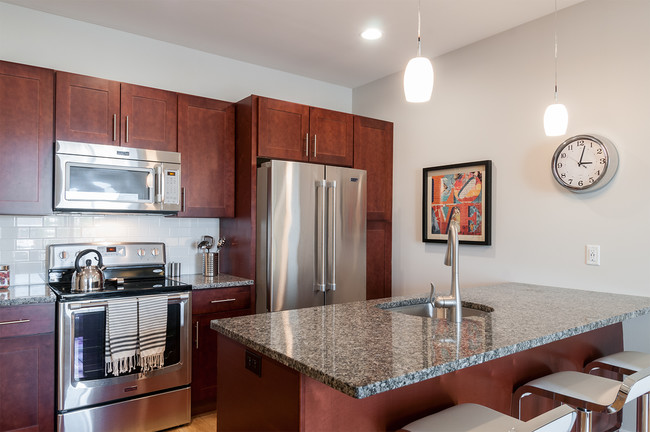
[(221, 299), (26, 319)]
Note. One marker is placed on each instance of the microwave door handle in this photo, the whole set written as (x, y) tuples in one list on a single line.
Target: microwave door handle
[(158, 184)]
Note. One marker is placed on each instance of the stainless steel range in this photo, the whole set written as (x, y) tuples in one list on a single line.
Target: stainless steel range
[(90, 396)]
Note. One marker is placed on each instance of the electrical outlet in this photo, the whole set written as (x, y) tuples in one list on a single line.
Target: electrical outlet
[(253, 362), (592, 255)]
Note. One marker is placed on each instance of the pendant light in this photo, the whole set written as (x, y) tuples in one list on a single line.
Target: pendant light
[(556, 116), (418, 76)]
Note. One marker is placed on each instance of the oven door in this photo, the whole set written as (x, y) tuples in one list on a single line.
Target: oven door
[(81, 376)]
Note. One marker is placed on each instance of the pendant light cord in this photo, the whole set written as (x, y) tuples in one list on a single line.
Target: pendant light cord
[(555, 55), (419, 43)]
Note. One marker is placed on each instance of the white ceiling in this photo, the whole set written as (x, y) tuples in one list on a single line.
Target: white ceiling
[(314, 38)]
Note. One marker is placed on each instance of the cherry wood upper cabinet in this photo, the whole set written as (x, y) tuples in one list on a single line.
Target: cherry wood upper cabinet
[(373, 152), (206, 141), (99, 111), (301, 133), (283, 130), (26, 139), (87, 109), (331, 137), (148, 118)]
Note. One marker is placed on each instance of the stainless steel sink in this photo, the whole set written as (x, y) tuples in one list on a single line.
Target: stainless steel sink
[(426, 310)]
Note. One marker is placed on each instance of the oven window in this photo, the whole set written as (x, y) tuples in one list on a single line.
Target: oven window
[(109, 184), (90, 338)]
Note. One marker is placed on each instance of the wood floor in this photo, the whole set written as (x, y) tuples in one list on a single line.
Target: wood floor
[(201, 423)]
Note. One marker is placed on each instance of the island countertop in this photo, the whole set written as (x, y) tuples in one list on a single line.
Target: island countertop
[(362, 350)]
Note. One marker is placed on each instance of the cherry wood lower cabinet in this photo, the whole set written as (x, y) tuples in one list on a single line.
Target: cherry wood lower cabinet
[(378, 259), (206, 141), (27, 368), (207, 305), (280, 398), (26, 139)]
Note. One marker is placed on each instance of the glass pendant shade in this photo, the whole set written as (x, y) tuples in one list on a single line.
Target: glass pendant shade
[(556, 119), (418, 80)]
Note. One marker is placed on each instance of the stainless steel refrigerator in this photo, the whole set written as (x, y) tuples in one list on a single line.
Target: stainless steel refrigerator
[(311, 235)]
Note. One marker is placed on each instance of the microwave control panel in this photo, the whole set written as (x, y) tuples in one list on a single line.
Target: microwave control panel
[(172, 187)]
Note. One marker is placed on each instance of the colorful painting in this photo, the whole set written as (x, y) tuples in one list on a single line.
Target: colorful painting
[(464, 186)]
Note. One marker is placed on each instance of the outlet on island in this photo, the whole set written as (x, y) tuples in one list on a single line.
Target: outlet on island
[(254, 363)]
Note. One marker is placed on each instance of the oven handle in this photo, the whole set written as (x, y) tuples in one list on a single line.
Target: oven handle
[(91, 304)]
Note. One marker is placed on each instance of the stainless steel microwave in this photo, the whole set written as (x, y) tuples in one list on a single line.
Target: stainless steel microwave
[(105, 178)]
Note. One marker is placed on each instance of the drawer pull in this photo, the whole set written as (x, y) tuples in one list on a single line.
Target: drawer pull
[(20, 321), (223, 301)]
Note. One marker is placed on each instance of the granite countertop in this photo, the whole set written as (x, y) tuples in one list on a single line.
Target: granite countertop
[(26, 294), (222, 280), (361, 350)]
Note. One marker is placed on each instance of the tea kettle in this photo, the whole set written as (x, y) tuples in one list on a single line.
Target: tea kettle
[(90, 277)]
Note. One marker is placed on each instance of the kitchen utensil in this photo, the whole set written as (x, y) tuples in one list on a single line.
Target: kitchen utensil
[(90, 277), (4, 276), (206, 242)]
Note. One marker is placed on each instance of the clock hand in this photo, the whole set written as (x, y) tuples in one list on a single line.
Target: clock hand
[(581, 155)]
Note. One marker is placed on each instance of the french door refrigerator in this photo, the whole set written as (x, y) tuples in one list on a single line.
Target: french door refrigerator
[(311, 235)]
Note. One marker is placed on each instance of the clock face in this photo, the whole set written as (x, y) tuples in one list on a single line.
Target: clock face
[(584, 163)]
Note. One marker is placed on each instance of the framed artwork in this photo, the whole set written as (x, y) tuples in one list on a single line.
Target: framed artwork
[(465, 186)]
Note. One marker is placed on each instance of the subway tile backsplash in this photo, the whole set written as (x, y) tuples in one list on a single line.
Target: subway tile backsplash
[(24, 239)]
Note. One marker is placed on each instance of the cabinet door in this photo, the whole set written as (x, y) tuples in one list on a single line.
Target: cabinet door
[(373, 152), (283, 129), (204, 361), (87, 109), (27, 383), (26, 139), (331, 137), (378, 259), (148, 118), (206, 141)]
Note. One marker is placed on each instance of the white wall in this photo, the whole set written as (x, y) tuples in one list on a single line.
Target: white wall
[(488, 103), (58, 43)]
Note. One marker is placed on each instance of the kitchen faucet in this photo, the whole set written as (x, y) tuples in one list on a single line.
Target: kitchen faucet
[(452, 301)]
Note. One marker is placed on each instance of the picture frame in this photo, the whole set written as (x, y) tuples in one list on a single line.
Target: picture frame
[(466, 186)]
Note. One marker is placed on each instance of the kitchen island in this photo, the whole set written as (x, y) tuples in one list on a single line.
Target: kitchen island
[(356, 366)]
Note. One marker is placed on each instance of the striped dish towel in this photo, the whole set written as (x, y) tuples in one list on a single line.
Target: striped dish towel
[(121, 336), (152, 311)]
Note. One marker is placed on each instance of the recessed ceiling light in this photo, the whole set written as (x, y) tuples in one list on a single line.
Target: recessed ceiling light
[(371, 34)]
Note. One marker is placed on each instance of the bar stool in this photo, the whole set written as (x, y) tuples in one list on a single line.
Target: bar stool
[(587, 393), (627, 363), (470, 417)]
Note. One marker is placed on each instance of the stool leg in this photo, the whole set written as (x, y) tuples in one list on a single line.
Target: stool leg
[(584, 416), (644, 425)]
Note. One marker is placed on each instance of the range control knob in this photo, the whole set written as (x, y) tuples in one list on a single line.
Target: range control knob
[(155, 252), (63, 255), (141, 252)]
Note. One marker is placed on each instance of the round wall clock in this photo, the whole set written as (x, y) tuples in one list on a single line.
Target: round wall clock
[(584, 163)]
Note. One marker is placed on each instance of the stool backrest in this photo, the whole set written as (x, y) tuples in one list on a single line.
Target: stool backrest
[(559, 419), (633, 386)]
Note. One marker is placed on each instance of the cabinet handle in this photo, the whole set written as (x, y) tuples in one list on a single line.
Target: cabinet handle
[(196, 341), (114, 127), (314, 145), (223, 301), (307, 145), (127, 128), (20, 321), (182, 199)]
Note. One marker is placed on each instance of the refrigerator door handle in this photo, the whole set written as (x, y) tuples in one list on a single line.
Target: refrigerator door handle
[(321, 196), (331, 235)]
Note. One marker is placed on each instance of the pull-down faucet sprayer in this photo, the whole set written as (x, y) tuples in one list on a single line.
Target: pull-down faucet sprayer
[(452, 301)]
